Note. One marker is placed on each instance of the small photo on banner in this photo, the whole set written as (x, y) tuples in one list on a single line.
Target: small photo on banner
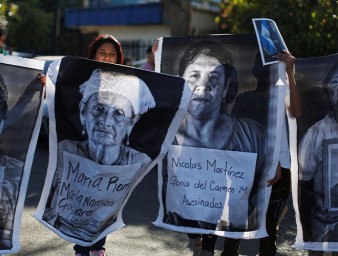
[(270, 40), (315, 185), (21, 95), (214, 177), (110, 124)]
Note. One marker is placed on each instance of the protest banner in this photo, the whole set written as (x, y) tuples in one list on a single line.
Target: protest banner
[(314, 179), (215, 182), (109, 126), (21, 94)]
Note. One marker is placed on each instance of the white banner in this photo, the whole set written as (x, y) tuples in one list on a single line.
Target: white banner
[(210, 185)]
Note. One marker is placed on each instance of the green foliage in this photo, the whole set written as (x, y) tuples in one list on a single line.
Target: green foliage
[(309, 27), (32, 24), (30, 28), (7, 8)]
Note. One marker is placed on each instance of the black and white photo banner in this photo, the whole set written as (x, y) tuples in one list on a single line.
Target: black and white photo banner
[(315, 184), (214, 178), (109, 126), (21, 95)]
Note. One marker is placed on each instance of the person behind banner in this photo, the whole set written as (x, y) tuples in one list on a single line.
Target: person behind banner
[(248, 104), (128, 61), (208, 68), (150, 63), (104, 48), (111, 105), (314, 172)]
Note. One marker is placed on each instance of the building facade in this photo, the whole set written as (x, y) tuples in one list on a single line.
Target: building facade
[(135, 23)]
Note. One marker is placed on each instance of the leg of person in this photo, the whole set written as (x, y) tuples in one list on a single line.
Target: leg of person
[(208, 245), (81, 250), (196, 241), (231, 247), (279, 195), (206, 253), (98, 249)]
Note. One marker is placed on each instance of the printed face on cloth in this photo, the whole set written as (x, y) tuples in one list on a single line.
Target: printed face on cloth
[(107, 116), (333, 88), (206, 77), (111, 105), (3, 103)]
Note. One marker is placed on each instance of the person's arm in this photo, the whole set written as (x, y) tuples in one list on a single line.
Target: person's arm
[(295, 107)]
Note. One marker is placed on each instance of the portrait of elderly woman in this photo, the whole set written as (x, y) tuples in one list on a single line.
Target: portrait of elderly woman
[(208, 67), (94, 176), (10, 177)]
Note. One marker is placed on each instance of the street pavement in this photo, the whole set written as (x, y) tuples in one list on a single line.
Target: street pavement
[(139, 237)]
